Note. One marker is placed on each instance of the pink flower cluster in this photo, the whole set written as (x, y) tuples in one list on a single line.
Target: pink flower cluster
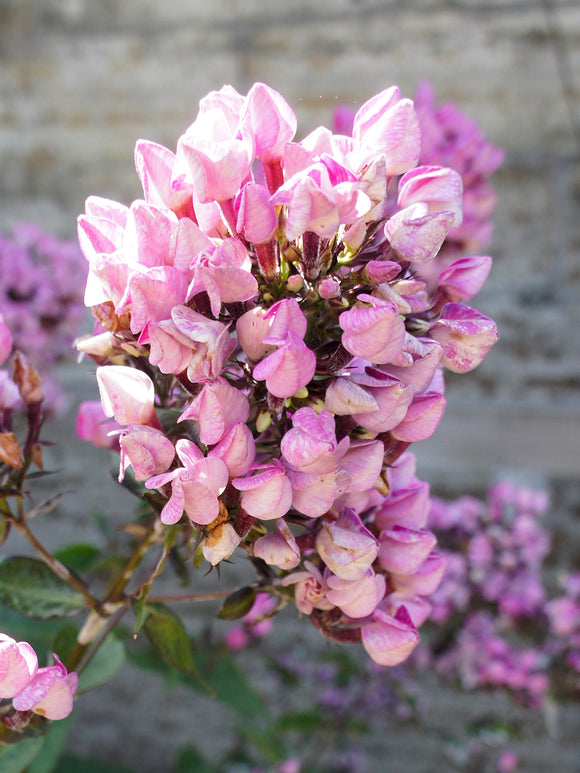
[(46, 691), (450, 138), (41, 297), (494, 594), (268, 352)]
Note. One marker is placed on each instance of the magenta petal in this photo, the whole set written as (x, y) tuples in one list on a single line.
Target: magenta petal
[(422, 418), (466, 336)]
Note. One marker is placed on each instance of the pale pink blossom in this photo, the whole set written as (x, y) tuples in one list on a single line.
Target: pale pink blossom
[(389, 640), (287, 369), (466, 336), (404, 550), (356, 597), (372, 329), (388, 124), (425, 580), (18, 666), (195, 487), (346, 546), (127, 394), (310, 589), (217, 407), (146, 449), (266, 494), (465, 277), (278, 548), (50, 693), (237, 449), (5, 341)]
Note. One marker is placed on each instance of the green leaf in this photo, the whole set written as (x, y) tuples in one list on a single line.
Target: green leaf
[(168, 636), (189, 760), (79, 558), (141, 611), (229, 684), (238, 604), (30, 588), (16, 758), (270, 746), (104, 665), (305, 721), (72, 764), (47, 758)]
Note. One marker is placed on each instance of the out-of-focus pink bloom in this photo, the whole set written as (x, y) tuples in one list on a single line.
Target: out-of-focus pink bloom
[(217, 408), (92, 425), (237, 449), (50, 693), (267, 494), (195, 487), (310, 590), (359, 597), (466, 336), (465, 277), (236, 638), (346, 546), (425, 580), (146, 449), (389, 640), (403, 550), (372, 329), (279, 548), (564, 616), (18, 666), (5, 341), (508, 761), (127, 394), (220, 543), (388, 124), (9, 394)]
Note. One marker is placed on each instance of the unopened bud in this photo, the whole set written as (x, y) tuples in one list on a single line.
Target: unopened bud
[(263, 421)]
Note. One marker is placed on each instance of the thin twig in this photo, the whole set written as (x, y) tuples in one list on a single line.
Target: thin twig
[(210, 596)]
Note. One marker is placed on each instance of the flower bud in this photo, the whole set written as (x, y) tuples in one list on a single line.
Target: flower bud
[(346, 546)]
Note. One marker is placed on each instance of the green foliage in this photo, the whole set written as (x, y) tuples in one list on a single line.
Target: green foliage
[(29, 587), (189, 760), (72, 764), (17, 757), (47, 758), (237, 604), (169, 638), (80, 558)]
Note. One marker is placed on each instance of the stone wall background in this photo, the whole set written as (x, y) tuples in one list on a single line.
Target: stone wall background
[(80, 81)]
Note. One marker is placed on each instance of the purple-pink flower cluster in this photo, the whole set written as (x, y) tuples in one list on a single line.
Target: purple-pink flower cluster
[(41, 298), (268, 350), (498, 623), (47, 691)]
